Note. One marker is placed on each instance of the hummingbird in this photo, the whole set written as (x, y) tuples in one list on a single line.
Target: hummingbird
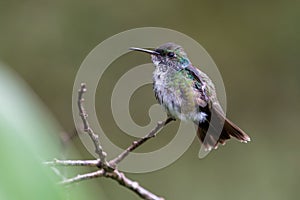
[(187, 93)]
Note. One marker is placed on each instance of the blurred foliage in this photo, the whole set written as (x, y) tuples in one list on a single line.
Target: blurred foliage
[(25, 132), (255, 45)]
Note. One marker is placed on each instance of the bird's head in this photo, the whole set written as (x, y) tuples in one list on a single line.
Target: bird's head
[(169, 54)]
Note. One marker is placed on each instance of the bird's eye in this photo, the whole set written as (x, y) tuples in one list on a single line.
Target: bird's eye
[(171, 54)]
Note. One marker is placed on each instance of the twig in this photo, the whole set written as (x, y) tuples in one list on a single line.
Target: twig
[(139, 142), (134, 186), (117, 176), (88, 163), (82, 177), (86, 125)]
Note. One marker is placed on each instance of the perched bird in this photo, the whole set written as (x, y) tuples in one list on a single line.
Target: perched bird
[(187, 93)]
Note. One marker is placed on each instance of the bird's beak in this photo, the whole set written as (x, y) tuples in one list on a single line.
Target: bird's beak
[(148, 50)]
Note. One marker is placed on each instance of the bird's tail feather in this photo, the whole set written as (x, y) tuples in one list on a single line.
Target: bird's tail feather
[(234, 131), (220, 129)]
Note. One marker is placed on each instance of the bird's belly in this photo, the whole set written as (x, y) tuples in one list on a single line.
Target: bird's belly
[(179, 99)]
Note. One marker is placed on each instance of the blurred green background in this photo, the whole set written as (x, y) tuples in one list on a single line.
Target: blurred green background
[(255, 44)]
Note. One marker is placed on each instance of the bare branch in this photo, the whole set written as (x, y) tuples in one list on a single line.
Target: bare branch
[(105, 169), (86, 125), (88, 163), (139, 142), (117, 176), (82, 177), (132, 185)]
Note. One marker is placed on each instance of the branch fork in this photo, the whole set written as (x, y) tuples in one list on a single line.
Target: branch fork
[(107, 169)]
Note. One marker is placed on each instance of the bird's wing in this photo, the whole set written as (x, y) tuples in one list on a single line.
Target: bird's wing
[(204, 87)]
